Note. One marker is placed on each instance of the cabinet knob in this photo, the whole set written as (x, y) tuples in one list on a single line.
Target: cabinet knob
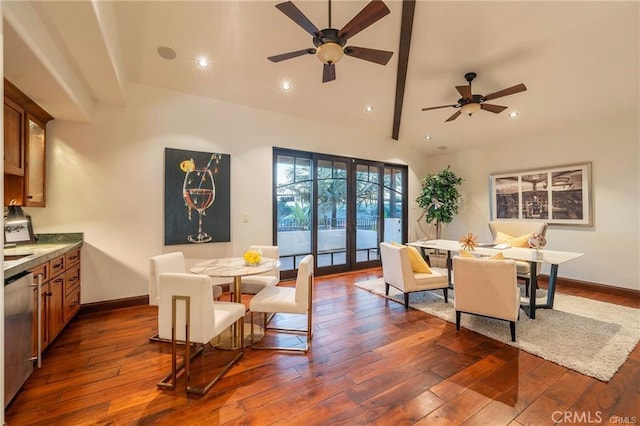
[(49, 294)]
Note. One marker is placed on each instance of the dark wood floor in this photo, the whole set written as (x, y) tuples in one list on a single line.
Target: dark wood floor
[(372, 362)]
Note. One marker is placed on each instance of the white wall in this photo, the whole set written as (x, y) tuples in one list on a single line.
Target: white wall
[(106, 179), (611, 246)]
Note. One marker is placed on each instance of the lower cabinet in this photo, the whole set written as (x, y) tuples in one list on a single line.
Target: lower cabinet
[(59, 297)]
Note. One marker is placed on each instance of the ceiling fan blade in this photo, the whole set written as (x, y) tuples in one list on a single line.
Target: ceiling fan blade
[(493, 108), (372, 55), (465, 91), (441, 106), (454, 116), (290, 9), (505, 92), (371, 13), (285, 56), (328, 73)]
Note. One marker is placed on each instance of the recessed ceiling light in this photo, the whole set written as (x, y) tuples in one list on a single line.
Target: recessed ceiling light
[(428, 138), (285, 85), (513, 114), (203, 62), (369, 108)]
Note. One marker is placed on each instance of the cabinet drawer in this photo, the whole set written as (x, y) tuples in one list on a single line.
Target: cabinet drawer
[(56, 265), (72, 279), (72, 257), (41, 269), (71, 303)]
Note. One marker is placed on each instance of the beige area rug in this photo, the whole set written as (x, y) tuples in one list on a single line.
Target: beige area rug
[(591, 337)]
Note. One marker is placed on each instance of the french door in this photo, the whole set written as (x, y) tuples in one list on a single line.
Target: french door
[(336, 208)]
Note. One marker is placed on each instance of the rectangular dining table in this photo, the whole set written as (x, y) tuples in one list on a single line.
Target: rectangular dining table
[(552, 257)]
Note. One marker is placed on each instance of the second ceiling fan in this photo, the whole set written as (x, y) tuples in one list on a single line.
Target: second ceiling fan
[(470, 103), (330, 43)]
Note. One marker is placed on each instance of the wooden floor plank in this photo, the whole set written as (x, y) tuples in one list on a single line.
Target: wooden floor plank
[(371, 362)]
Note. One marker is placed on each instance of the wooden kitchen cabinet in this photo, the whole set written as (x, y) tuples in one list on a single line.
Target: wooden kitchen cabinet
[(35, 166), (60, 296), (24, 149), (14, 116)]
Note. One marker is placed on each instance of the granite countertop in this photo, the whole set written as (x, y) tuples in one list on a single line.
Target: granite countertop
[(28, 256)]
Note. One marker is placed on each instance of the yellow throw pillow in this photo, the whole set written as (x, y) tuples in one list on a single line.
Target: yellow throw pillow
[(501, 237), (464, 253), (497, 256), (521, 241), (418, 264)]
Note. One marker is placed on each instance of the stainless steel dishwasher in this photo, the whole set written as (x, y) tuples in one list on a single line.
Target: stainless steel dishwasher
[(18, 315)]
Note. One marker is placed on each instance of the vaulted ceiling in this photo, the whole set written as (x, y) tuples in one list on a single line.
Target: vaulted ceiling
[(579, 61)]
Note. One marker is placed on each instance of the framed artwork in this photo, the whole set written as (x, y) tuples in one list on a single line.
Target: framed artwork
[(196, 197), (556, 195), (19, 233)]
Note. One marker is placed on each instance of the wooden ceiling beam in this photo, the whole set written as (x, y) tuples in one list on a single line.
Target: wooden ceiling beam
[(406, 26)]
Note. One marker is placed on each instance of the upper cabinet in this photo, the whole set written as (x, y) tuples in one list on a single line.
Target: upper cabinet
[(24, 149)]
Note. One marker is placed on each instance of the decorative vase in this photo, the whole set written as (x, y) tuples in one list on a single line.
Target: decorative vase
[(252, 257)]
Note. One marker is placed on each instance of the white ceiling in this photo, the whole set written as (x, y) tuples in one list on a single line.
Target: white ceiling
[(579, 60)]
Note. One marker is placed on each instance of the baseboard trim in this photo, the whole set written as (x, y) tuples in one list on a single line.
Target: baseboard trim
[(586, 285), (108, 305)]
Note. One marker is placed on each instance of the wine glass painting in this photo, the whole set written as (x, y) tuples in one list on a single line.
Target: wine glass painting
[(196, 197), (199, 192)]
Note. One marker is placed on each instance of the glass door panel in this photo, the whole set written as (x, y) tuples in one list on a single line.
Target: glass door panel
[(293, 191), (331, 213), (393, 204), (367, 213)]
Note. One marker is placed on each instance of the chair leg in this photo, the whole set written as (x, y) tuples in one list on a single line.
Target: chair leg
[(406, 300), (169, 381), (308, 332), (386, 289), (204, 389), (446, 295), (512, 326), (458, 314)]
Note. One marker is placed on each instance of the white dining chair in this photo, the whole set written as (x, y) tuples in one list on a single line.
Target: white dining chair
[(286, 300), (166, 263), (189, 315)]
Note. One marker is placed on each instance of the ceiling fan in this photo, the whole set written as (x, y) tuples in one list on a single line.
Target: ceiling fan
[(330, 42), (470, 103)]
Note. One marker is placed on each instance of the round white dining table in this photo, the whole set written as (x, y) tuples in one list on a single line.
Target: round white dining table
[(234, 267)]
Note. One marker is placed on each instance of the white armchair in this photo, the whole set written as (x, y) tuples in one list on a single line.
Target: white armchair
[(488, 288), (518, 229), (397, 272)]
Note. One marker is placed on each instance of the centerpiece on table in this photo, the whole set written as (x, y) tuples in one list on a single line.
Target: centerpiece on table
[(537, 242), (252, 257), (469, 242)]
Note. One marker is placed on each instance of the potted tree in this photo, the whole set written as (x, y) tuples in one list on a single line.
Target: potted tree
[(439, 198)]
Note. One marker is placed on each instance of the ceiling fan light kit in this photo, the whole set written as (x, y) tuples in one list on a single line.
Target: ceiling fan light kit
[(330, 43), (329, 53), (470, 108), (470, 103)]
